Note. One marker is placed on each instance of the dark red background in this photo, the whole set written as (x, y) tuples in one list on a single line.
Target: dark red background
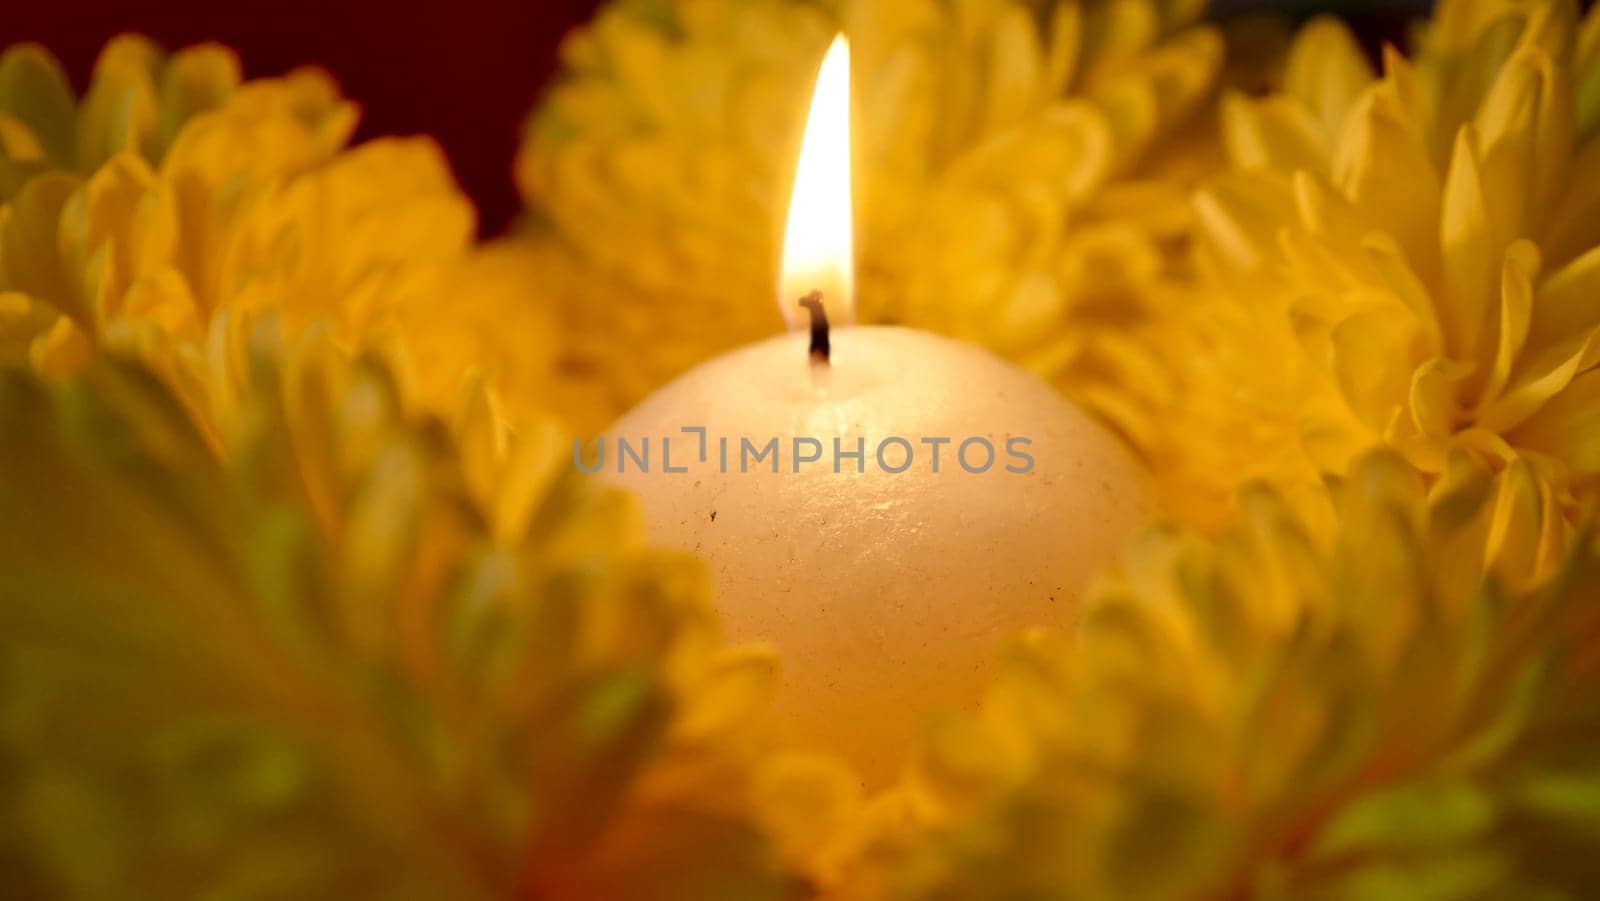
[(464, 71)]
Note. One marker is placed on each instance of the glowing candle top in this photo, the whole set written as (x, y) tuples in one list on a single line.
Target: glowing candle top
[(818, 245)]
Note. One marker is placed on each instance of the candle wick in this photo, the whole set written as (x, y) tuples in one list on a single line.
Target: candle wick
[(821, 351)]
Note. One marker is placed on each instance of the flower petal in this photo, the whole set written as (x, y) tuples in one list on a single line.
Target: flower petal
[(1273, 132), (1382, 166), (119, 114), (1014, 66), (1517, 274), (35, 94), (30, 255), (1468, 251), (1435, 395), (1563, 339), (1327, 71), (1372, 376), (1567, 426)]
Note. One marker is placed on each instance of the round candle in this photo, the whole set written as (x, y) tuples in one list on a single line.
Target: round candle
[(884, 584), (881, 504)]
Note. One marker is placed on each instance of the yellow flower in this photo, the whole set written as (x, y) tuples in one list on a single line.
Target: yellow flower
[(194, 201), (358, 658), (138, 101), (1289, 710), (1020, 173), (1408, 260)]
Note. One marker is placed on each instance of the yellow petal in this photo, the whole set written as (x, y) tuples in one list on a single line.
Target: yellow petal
[(21, 155), (1563, 340), (1372, 369), (62, 350), (1435, 398), (807, 801), (163, 298), (196, 80), (1116, 30), (1549, 29), (1468, 252), (30, 259), (1240, 215), (961, 761), (1327, 71), (483, 439), (1567, 426), (1516, 310), (1326, 212), (1461, 89), (739, 686), (1013, 77), (1382, 166), (1396, 274), (35, 94), (106, 217), (1524, 140), (22, 319), (1573, 224), (1458, 524), (1516, 544), (1273, 132), (119, 113), (1061, 60)]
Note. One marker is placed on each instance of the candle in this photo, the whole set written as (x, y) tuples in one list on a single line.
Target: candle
[(881, 504)]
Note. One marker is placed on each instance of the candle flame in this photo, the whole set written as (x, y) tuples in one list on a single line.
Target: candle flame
[(818, 245)]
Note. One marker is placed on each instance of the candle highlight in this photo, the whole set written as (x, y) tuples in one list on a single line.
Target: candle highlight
[(819, 237)]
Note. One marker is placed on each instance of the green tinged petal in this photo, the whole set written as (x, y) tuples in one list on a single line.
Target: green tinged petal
[(1280, 711), (309, 668), (35, 96)]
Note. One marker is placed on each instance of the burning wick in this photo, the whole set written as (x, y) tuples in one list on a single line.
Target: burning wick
[(820, 351)]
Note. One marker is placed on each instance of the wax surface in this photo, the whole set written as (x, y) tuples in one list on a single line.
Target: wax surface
[(886, 594)]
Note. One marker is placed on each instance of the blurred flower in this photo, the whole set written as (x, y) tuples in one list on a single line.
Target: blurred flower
[(358, 659), (1289, 710), (1408, 260), (1020, 175), (138, 101), (270, 626), (174, 200)]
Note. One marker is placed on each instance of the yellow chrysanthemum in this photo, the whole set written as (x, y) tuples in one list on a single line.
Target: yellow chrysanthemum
[(357, 659), (1020, 171), (192, 201), (1289, 710), (138, 101), (1409, 260)]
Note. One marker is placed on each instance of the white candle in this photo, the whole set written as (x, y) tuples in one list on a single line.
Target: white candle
[(884, 592), (883, 518)]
